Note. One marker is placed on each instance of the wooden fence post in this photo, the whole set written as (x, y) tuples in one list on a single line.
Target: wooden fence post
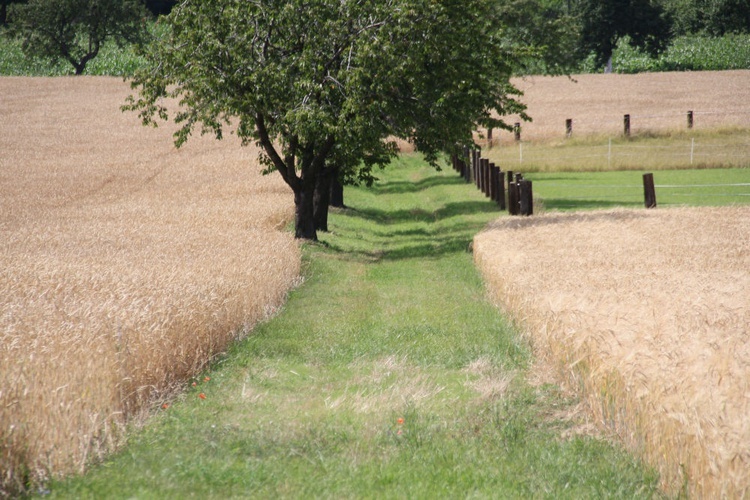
[(492, 187), (649, 192), (500, 186), (474, 165), (569, 127), (486, 177), (514, 199), (626, 125), (489, 138), (481, 184), (525, 197), (517, 131), (690, 119)]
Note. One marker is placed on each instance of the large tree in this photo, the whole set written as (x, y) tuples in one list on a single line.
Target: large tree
[(75, 30), (324, 85), (547, 30), (645, 23)]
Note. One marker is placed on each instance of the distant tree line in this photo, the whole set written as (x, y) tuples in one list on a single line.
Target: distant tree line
[(559, 34), (156, 7)]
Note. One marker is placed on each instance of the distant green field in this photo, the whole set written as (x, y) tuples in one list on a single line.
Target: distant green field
[(583, 190)]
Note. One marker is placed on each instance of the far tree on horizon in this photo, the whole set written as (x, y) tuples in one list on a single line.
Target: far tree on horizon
[(75, 30)]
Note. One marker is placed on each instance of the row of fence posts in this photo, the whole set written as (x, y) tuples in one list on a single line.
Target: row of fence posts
[(569, 127), (520, 200), (490, 179)]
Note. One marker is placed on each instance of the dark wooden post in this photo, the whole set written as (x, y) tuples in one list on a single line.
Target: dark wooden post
[(649, 192), (500, 188), (489, 138), (486, 179), (517, 131), (690, 119), (569, 127), (514, 195), (525, 197), (626, 125), (474, 161), (493, 182), (481, 184)]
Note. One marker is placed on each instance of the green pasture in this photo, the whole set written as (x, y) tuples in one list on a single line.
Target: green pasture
[(388, 374), (585, 190)]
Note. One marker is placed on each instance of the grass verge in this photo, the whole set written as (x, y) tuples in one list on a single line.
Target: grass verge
[(387, 374)]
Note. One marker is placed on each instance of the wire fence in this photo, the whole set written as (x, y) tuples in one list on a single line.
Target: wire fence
[(572, 194), (614, 154)]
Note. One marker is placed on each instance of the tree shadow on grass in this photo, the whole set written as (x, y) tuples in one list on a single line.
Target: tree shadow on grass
[(413, 233), (403, 187)]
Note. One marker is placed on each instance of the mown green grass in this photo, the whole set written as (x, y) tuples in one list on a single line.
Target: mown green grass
[(583, 190), (391, 323)]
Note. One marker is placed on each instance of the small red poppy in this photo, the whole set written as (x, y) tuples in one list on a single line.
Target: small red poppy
[(202, 396)]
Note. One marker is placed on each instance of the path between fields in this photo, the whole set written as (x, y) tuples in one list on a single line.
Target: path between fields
[(386, 374)]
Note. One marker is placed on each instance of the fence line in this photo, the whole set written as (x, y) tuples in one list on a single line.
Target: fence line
[(692, 149), (599, 123)]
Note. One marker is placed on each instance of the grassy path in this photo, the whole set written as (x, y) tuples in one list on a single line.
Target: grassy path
[(387, 375)]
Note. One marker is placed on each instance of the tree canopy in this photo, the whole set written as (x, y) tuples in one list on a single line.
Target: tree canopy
[(645, 23), (323, 86), (75, 30)]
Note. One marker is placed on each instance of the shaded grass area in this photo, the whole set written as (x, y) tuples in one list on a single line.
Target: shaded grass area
[(387, 374)]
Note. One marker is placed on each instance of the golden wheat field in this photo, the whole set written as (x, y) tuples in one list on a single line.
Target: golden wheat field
[(126, 265), (656, 101), (647, 314)]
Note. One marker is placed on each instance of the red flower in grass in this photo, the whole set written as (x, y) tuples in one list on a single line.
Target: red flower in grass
[(202, 396)]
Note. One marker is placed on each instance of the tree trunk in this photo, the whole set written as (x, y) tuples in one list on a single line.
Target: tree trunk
[(337, 192), (304, 221), (321, 199)]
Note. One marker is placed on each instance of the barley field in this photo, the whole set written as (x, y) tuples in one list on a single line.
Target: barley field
[(126, 266), (656, 102), (646, 313)]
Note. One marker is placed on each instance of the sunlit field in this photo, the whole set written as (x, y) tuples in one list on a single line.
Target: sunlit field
[(126, 266), (644, 313), (656, 103), (647, 314)]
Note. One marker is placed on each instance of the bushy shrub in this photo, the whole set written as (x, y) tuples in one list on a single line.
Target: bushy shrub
[(686, 53)]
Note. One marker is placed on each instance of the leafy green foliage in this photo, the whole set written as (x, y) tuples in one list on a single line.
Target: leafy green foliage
[(645, 23), (709, 17), (686, 53), (549, 34), (76, 30), (325, 83)]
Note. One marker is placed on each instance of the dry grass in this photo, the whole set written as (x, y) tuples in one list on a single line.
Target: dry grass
[(126, 266), (647, 314), (655, 101)]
